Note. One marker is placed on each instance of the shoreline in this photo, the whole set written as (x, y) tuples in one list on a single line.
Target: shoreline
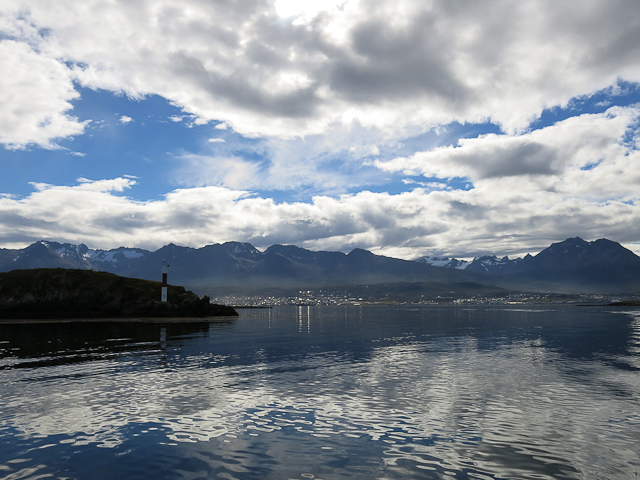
[(25, 321)]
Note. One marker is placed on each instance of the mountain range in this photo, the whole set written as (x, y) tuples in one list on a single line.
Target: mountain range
[(574, 265)]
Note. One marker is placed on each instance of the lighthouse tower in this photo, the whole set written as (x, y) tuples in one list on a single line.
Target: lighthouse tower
[(165, 269)]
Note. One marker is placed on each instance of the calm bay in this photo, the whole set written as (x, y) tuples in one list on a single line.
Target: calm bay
[(373, 392)]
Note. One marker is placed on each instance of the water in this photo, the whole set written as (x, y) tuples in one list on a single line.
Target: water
[(327, 393)]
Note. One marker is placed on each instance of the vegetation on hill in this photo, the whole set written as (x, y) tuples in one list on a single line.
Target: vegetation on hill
[(69, 293)]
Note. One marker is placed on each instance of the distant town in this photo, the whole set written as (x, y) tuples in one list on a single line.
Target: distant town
[(333, 297)]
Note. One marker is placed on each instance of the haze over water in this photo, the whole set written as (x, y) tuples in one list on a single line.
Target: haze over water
[(327, 392)]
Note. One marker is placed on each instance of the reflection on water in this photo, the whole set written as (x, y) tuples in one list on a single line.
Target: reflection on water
[(28, 345), (319, 392)]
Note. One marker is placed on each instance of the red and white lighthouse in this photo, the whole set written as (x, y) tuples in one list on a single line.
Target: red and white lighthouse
[(165, 270)]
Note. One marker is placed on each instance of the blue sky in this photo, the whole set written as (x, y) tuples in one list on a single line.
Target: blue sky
[(144, 138), (407, 128)]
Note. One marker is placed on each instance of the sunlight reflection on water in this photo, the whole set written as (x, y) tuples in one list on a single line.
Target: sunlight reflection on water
[(332, 393)]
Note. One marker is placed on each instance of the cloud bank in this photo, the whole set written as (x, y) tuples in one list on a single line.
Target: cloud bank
[(326, 90), (548, 154), (268, 69), (499, 215)]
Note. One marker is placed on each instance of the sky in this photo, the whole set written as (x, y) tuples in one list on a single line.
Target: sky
[(404, 127)]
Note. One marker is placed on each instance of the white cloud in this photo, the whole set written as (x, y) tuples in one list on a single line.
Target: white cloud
[(303, 12), (503, 217), (216, 140), (431, 185), (124, 119), (384, 64), (327, 164), (573, 143), (229, 171), (324, 82), (365, 150), (35, 94)]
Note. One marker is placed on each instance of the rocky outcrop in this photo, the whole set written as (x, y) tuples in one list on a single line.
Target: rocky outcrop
[(69, 293)]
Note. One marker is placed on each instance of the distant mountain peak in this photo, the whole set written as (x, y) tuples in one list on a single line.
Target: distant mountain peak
[(492, 264), (239, 248), (575, 241), (360, 252), (601, 265), (444, 262)]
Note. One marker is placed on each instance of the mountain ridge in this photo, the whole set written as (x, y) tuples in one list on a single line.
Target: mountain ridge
[(574, 262), (572, 265)]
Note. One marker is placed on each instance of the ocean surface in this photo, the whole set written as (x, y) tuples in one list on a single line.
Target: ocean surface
[(361, 392)]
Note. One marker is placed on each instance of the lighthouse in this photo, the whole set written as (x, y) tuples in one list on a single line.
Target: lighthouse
[(165, 269)]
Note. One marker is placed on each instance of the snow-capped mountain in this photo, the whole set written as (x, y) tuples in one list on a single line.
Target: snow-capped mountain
[(572, 265), (493, 264), (485, 263), (231, 263), (600, 265), (444, 262), (82, 252)]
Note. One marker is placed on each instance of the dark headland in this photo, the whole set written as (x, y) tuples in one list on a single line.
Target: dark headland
[(58, 293), (625, 303)]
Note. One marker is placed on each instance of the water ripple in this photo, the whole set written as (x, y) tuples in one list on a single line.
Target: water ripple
[(423, 401)]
